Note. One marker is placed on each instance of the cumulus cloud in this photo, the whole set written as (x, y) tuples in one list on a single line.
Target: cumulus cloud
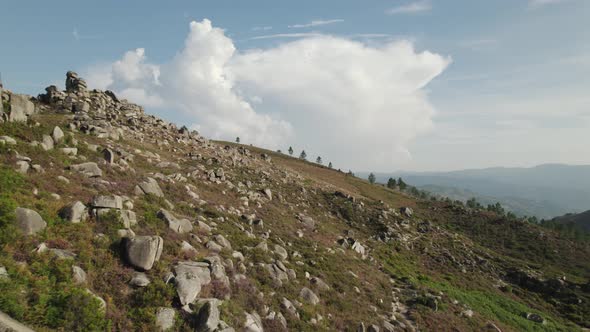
[(356, 105)]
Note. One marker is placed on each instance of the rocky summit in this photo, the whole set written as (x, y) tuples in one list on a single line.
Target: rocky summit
[(112, 219)]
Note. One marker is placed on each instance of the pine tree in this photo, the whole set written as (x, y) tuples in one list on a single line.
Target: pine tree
[(291, 150), (303, 155), (330, 165), (238, 139), (401, 184), (372, 178), (391, 183), (319, 160)]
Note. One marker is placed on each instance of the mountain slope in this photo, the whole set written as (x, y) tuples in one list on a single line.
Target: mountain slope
[(578, 220), (112, 219)]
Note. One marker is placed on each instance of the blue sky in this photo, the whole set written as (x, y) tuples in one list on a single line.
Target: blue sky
[(513, 93)]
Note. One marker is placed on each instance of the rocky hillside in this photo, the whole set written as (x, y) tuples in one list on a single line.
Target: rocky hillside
[(114, 220)]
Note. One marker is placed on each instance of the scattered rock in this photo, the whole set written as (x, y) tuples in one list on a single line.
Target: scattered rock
[(150, 186), (7, 140), (177, 225), (78, 275), (29, 221), (89, 169), (309, 296), (143, 251), (57, 135), (253, 323), (74, 212), (165, 318), (139, 279)]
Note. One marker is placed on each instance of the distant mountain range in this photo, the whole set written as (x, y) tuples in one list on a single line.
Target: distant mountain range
[(545, 191)]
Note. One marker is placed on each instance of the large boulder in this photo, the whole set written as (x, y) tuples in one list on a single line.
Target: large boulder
[(29, 221), (165, 318), (89, 169), (57, 135), (149, 186), (190, 277), (21, 107), (309, 296), (253, 323), (208, 318), (74, 212), (175, 224), (107, 202), (143, 251)]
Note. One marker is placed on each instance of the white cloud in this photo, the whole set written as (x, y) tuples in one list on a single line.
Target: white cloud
[(411, 8), (356, 105), (541, 3), (287, 35), (262, 28), (316, 23)]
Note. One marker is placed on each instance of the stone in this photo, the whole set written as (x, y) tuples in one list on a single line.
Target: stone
[(319, 284), (22, 166), (289, 307), (190, 277), (89, 169), (535, 318), (78, 275), (107, 202), (406, 211), (47, 143), (103, 303), (150, 186), (128, 217), (143, 251), (7, 140), (373, 328), (3, 273), (21, 107), (208, 318), (309, 296), (281, 252), (253, 322), (222, 241), (268, 194), (69, 151), (108, 155), (74, 212), (29, 221), (178, 225), (57, 135), (165, 318), (139, 279)]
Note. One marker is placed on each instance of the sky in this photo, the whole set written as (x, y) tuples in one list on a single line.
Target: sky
[(421, 85)]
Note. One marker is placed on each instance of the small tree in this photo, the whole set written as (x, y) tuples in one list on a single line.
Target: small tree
[(330, 165), (238, 139), (291, 150), (319, 160), (401, 184), (391, 183), (372, 178), (303, 155)]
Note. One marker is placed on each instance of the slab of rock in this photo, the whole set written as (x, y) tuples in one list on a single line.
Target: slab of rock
[(309, 296), (74, 212), (150, 186), (190, 277), (143, 251), (47, 143), (108, 155), (21, 107), (208, 319), (253, 323), (7, 140), (175, 224), (139, 279), (29, 221), (57, 135), (89, 169), (107, 202), (165, 318), (78, 275)]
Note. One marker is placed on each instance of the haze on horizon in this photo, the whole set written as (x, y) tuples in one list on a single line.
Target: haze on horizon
[(413, 85)]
